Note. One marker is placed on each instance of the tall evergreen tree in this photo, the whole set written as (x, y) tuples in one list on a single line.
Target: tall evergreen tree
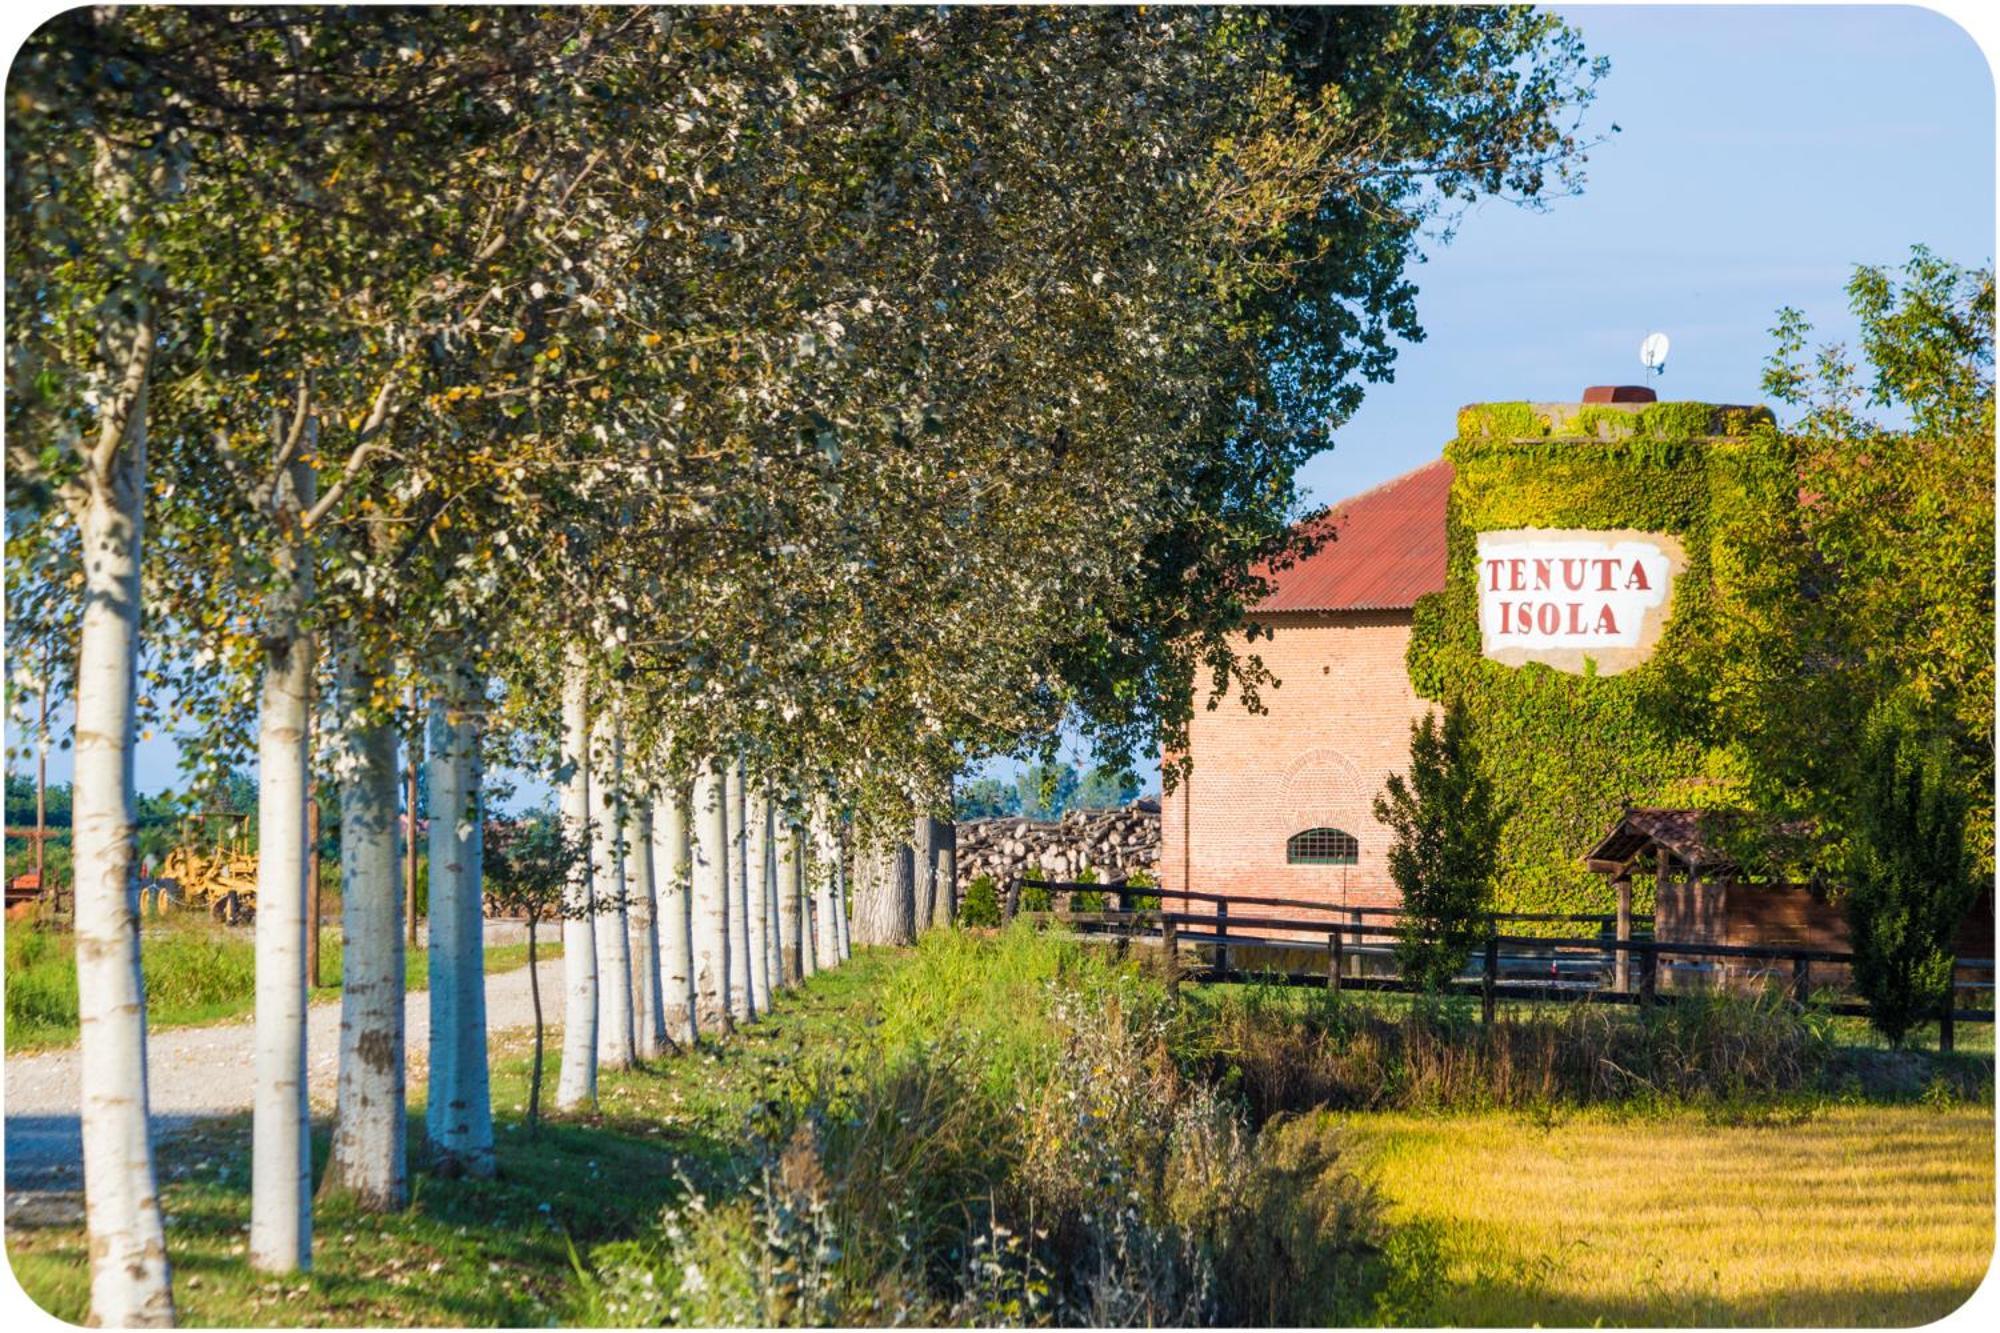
[(1447, 842), (1911, 877)]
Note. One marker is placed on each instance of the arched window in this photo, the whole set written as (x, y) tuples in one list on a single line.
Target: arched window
[(1322, 847)]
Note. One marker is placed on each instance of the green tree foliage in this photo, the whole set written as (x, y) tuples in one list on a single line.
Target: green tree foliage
[(1893, 548), (986, 798), (1911, 879), (1047, 789), (1445, 825), (21, 802), (1106, 787)]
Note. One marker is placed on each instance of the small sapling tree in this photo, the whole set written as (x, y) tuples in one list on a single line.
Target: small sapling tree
[(1911, 878), (1446, 829), (529, 867)]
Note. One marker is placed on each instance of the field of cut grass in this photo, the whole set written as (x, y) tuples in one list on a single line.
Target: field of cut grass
[(197, 971), (1853, 1215)]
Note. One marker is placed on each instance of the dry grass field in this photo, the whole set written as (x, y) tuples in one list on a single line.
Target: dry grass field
[(1861, 1215)]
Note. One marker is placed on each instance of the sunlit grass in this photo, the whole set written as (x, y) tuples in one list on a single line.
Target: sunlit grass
[(1870, 1215), (197, 971)]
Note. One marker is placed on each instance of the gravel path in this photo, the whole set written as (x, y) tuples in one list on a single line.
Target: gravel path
[(199, 1072)]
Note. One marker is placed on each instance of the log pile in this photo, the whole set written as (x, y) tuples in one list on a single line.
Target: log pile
[(1114, 843)]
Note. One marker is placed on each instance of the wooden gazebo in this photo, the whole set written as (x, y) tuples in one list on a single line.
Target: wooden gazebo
[(1700, 890)]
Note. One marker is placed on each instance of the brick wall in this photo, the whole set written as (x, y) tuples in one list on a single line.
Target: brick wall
[(1334, 729)]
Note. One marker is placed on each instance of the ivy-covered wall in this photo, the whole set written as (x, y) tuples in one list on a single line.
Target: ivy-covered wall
[(1565, 750)]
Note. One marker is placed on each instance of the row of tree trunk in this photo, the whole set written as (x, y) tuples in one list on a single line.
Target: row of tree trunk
[(697, 904)]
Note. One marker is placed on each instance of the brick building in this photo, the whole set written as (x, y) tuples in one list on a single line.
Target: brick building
[(1281, 803)]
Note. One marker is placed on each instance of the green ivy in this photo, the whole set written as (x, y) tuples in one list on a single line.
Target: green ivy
[(1566, 751)]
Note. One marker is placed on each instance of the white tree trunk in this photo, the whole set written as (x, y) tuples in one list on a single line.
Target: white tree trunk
[(459, 1112), (130, 1281), (607, 856), (710, 878), (791, 903), (825, 865), (742, 999), (577, 1084), (649, 1028), (281, 1136), (843, 926), (673, 865), (368, 1161), (774, 958), (756, 861)]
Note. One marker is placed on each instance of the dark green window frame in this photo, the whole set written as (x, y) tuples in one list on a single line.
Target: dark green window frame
[(1322, 847)]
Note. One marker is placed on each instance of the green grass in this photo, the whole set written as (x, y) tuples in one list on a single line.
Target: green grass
[(1862, 1215), (494, 1252), (197, 972), (1822, 1210)]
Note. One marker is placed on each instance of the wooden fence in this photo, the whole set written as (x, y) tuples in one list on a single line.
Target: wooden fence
[(1623, 964)]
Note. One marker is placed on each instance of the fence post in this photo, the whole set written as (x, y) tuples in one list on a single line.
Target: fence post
[(1011, 902), (1948, 1016), (1334, 961), (1170, 941), (1621, 966), (1222, 937), (1649, 974), (1801, 979), (1124, 897), (1354, 959), (1491, 975)]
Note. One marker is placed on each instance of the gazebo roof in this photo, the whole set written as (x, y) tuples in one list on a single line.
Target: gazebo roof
[(1691, 837)]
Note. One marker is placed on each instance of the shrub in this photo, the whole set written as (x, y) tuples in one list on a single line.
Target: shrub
[(1296, 1052), (1086, 900), (981, 904), (1144, 902)]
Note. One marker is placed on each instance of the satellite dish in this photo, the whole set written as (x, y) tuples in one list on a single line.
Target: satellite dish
[(1653, 353)]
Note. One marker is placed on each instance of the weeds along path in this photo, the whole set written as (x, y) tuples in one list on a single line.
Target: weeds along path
[(194, 1073)]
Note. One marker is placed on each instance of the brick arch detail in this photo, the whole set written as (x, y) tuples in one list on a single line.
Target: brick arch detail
[(1322, 788)]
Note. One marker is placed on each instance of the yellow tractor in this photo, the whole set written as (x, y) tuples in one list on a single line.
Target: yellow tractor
[(213, 867)]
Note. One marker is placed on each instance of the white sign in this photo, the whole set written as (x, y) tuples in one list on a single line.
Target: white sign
[(1564, 598)]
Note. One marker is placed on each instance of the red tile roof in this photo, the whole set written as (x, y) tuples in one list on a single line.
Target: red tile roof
[(1387, 550)]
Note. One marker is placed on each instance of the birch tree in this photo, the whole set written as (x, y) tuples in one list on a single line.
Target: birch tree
[(673, 862), (710, 896), (576, 1085), (756, 863), (459, 1108), (742, 992), (649, 1028), (369, 1162), (791, 903), (613, 936), (83, 314)]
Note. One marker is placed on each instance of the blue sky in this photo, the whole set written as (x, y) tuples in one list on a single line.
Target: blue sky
[(1764, 151)]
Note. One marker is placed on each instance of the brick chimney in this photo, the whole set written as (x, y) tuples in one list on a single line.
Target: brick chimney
[(1619, 393)]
